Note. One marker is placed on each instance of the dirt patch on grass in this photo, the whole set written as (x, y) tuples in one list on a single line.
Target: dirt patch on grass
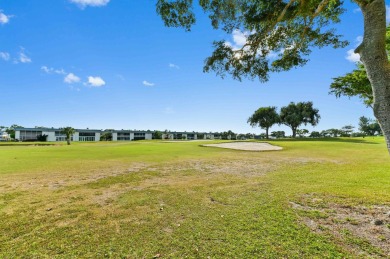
[(365, 230), (246, 146), (252, 165), (186, 173), (58, 180), (243, 167)]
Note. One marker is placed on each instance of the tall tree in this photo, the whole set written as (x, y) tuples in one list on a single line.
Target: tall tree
[(294, 115), (265, 118), (291, 29), (68, 131), (356, 83)]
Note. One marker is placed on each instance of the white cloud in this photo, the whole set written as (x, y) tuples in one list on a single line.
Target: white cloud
[(60, 71), (352, 56), (239, 39), (23, 57), (147, 83), (46, 69), (4, 56), (171, 65), (94, 3), (96, 81), (4, 18), (388, 13), (50, 70), (357, 10), (71, 78)]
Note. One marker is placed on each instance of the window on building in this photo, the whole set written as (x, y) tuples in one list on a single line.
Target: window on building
[(29, 135), (124, 136)]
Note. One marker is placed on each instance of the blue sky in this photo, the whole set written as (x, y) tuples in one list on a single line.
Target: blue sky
[(112, 64)]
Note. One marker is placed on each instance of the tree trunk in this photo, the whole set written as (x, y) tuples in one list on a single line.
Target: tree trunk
[(374, 57), (68, 141), (266, 133), (294, 131)]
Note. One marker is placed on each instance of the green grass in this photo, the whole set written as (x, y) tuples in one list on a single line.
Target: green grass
[(141, 199)]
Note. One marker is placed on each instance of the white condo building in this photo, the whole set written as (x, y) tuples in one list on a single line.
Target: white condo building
[(32, 134), (4, 136)]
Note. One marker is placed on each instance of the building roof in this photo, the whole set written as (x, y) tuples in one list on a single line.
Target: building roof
[(56, 129), (116, 131), (128, 131), (90, 130)]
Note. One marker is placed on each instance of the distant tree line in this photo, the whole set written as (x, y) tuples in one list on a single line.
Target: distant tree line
[(367, 127), (295, 115)]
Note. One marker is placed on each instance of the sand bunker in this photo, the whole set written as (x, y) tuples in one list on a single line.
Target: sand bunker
[(247, 146)]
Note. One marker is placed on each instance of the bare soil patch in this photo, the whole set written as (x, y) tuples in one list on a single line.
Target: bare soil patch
[(247, 146), (365, 228), (39, 181), (248, 167)]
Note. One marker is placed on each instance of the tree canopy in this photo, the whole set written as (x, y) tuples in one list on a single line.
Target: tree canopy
[(356, 83), (288, 29), (264, 117), (294, 115)]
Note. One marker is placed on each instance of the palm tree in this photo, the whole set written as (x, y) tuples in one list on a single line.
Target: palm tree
[(68, 131)]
